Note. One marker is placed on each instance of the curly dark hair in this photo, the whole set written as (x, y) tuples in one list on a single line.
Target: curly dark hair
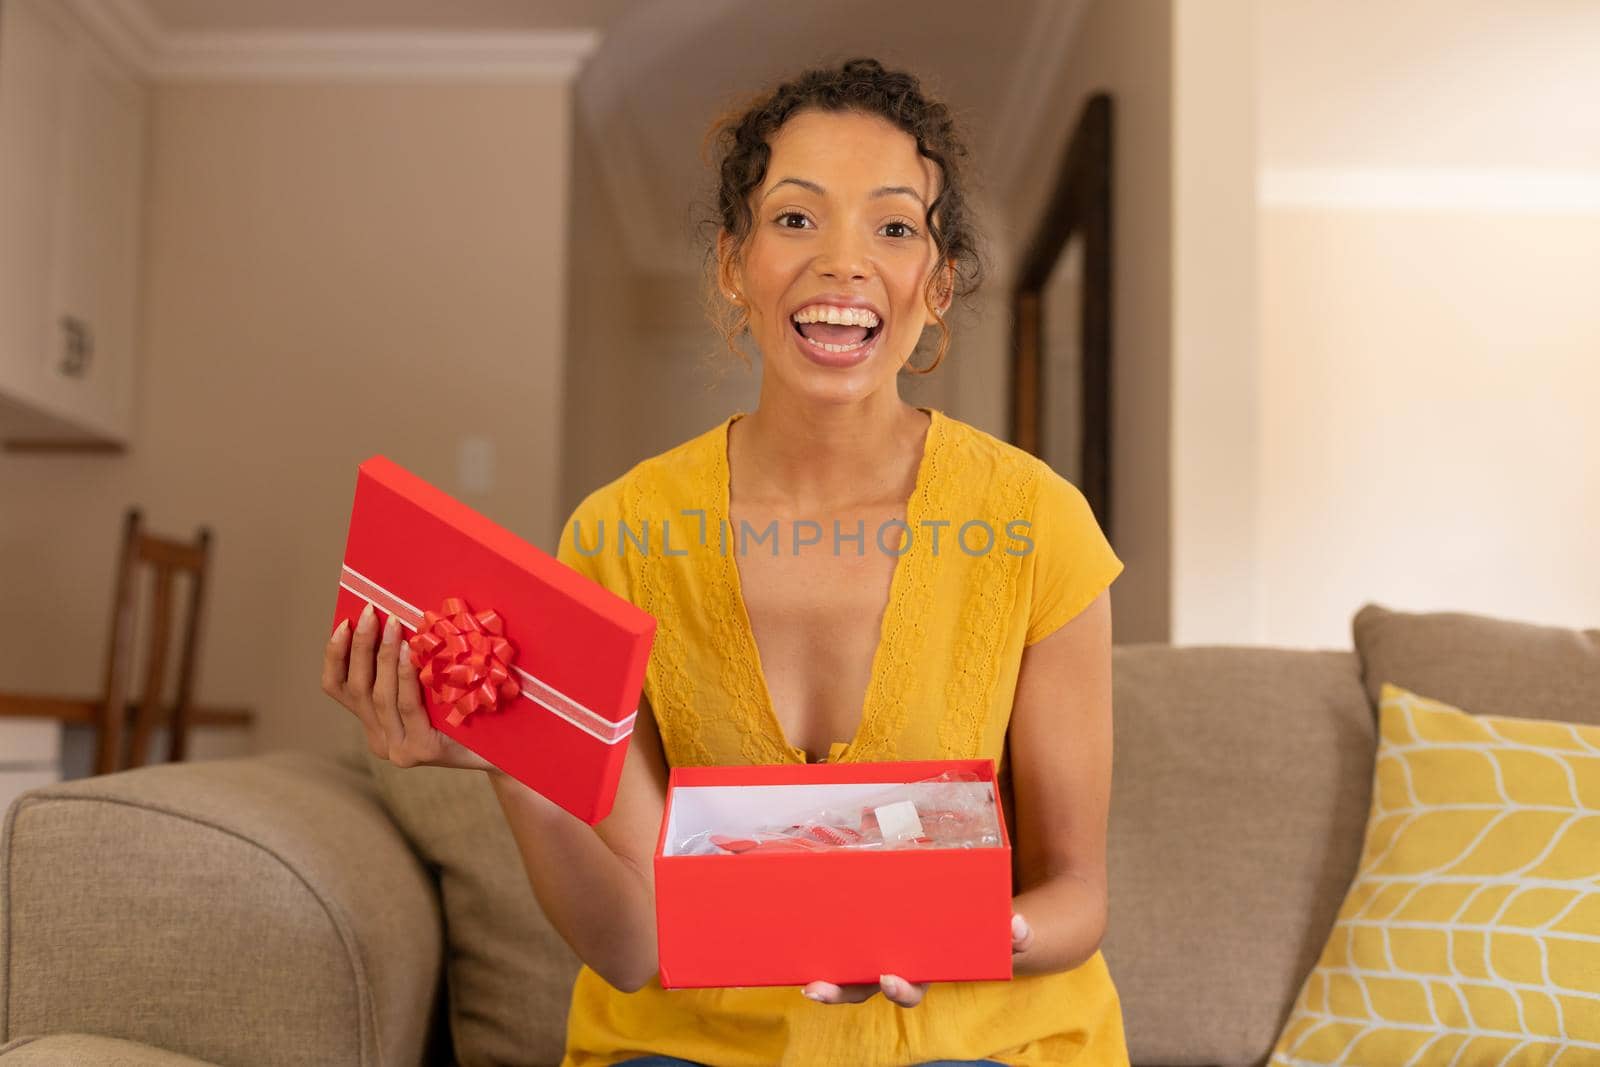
[(741, 138)]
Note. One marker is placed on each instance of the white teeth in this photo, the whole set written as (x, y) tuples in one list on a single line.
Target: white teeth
[(838, 316), (835, 348)]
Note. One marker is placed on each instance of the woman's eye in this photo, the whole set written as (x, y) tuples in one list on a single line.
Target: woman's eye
[(794, 220)]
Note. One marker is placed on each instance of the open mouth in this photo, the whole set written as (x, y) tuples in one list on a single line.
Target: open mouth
[(832, 337)]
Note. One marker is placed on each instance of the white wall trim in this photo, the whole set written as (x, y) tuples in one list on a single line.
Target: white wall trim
[(163, 55), (1050, 33), (1521, 192)]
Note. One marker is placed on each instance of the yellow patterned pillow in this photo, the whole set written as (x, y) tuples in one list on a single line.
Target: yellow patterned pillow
[(1471, 932)]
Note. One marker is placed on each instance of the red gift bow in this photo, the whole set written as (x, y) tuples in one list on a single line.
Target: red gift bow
[(464, 659)]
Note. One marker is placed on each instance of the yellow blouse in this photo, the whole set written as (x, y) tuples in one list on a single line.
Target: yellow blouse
[(942, 682)]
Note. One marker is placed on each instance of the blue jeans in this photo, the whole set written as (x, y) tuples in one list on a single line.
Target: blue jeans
[(673, 1061)]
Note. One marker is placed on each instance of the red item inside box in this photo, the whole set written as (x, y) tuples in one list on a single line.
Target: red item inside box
[(520, 658), (942, 811), (803, 910)]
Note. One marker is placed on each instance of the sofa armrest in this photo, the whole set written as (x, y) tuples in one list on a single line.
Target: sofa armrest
[(88, 1050), (262, 910)]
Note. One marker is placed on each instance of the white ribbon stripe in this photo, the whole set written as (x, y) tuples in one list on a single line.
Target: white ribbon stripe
[(546, 696)]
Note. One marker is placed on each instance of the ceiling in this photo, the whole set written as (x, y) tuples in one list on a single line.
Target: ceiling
[(664, 68), (659, 79)]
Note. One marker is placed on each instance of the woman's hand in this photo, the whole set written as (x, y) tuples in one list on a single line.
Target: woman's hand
[(386, 697), (904, 993)]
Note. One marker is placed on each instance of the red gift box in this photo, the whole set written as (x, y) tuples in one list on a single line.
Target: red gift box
[(789, 917), (520, 658)]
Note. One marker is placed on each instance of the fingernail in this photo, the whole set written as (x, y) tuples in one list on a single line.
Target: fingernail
[(1019, 927), (367, 615), (342, 629), (390, 627), (889, 984), (810, 995)]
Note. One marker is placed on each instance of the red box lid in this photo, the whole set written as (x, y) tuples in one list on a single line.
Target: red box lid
[(411, 546), (835, 915)]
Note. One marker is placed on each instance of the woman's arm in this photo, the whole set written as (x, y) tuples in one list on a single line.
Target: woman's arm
[(597, 884), (1060, 752), (1060, 744)]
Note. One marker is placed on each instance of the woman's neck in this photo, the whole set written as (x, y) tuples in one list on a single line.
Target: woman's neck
[(826, 457)]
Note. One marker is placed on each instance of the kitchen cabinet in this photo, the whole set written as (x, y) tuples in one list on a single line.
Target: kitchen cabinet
[(72, 133)]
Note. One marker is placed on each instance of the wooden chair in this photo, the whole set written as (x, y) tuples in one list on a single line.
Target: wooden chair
[(120, 724)]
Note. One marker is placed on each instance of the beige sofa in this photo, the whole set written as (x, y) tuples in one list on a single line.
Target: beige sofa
[(297, 909)]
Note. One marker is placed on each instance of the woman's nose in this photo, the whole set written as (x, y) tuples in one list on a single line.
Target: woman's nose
[(843, 255)]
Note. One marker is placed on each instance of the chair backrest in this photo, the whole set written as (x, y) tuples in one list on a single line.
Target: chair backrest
[(166, 559)]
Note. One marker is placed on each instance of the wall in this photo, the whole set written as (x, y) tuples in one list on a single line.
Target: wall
[(330, 272), (1319, 208), (1429, 240), (1428, 426), (1125, 48), (645, 369), (600, 341), (1215, 439)]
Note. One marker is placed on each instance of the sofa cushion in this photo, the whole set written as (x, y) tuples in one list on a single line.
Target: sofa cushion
[(1240, 782), (1492, 666), (88, 1050), (1468, 935), (509, 973)]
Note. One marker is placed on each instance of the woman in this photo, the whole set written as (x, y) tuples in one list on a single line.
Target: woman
[(959, 610)]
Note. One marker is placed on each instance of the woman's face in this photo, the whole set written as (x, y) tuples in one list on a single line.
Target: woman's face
[(839, 244)]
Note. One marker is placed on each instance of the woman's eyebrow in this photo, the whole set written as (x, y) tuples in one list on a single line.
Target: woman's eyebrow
[(882, 190)]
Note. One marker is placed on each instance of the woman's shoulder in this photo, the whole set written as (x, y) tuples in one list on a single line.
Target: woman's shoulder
[(985, 446), (985, 464)]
